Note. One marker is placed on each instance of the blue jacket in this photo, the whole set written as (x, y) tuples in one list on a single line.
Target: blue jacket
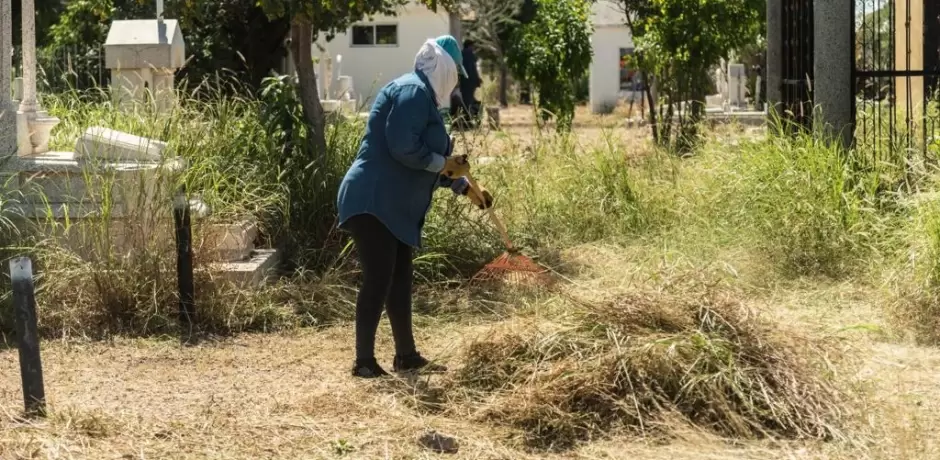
[(400, 158)]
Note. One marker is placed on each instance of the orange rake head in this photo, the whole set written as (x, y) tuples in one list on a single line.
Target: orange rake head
[(513, 268)]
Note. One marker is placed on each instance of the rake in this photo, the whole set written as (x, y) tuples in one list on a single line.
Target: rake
[(511, 267)]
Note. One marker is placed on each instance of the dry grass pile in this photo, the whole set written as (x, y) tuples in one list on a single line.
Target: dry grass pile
[(636, 363)]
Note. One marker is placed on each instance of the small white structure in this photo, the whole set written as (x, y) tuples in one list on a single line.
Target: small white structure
[(611, 43), (737, 85), (380, 49), (143, 55), (341, 101)]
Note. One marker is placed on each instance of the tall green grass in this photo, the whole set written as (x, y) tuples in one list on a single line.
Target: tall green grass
[(239, 161), (802, 204)]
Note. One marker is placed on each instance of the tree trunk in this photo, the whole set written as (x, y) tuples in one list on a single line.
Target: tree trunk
[(503, 84), (648, 89), (696, 84), (301, 37)]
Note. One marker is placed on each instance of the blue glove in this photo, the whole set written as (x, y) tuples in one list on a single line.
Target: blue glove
[(460, 186)]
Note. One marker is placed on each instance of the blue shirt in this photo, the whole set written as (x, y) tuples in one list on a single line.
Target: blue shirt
[(397, 168)]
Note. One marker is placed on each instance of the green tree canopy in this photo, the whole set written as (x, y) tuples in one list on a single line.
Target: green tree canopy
[(234, 35), (223, 35), (552, 52)]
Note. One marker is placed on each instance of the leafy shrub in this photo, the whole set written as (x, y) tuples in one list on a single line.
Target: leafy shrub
[(553, 53)]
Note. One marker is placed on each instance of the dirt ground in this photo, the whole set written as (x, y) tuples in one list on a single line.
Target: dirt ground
[(285, 396), (290, 396), (518, 132)]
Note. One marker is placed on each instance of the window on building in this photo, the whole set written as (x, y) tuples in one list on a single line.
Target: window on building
[(375, 35), (363, 35), (386, 35)]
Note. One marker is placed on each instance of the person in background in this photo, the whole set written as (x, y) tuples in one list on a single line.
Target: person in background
[(471, 80), (405, 155), (464, 105)]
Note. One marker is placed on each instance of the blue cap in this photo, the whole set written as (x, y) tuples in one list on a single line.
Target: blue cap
[(449, 44)]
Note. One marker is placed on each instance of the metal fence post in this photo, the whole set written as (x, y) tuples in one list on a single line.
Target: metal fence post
[(184, 261), (24, 305)]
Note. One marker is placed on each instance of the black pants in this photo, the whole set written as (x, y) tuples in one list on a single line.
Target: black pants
[(387, 274)]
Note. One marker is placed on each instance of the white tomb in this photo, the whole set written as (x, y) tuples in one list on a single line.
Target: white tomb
[(143, 55)]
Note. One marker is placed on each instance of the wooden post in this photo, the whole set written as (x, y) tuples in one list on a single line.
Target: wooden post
[(24, 305)]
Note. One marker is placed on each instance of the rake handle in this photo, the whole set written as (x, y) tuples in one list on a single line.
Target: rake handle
[(496, 221)]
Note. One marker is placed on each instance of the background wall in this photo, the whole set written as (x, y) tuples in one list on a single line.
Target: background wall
[(371, 67)]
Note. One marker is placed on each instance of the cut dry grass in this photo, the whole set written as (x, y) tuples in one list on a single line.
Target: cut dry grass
[(630, 363), (247, 401)]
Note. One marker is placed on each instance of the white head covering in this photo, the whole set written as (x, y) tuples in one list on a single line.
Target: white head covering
[(440, 69)]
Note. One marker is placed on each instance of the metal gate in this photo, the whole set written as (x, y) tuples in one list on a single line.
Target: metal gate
[(895, 76), (797, 66)]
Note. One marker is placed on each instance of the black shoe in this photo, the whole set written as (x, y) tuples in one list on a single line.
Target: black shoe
[(368, 369), (415, 361)]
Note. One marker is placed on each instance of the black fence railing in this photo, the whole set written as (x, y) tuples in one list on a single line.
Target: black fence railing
[(797, 54), (67, 68), (896, 70)]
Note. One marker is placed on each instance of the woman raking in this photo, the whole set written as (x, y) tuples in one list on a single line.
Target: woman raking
[(405, 155)]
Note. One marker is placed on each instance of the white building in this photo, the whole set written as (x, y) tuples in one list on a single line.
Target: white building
[(611, 42), (378, 50)]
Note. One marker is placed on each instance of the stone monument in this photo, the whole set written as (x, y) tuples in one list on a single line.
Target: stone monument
[(344, 103), (832, 77), (737, 85), (143, 56), (8, 141), (33, 125), (721, 85)]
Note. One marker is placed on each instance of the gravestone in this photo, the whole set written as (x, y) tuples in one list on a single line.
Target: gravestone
[(104, 143), (68, 189), (719, 101), (737, 85)]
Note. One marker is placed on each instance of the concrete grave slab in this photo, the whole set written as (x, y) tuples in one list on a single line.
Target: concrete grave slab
[(108, 144)]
